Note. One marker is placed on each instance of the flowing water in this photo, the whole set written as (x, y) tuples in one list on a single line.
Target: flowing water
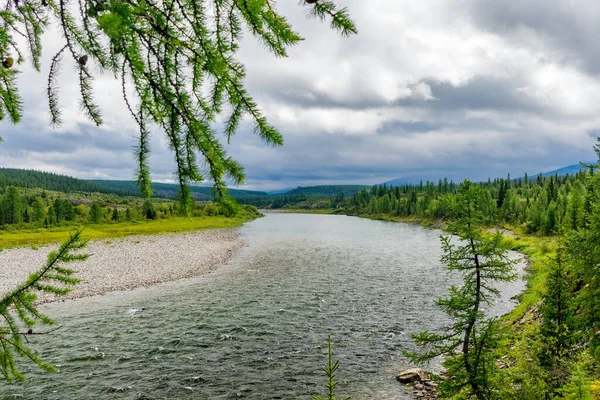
[(257, 327)]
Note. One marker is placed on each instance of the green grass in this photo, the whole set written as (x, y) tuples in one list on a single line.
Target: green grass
[(39, 236), (538, 250)]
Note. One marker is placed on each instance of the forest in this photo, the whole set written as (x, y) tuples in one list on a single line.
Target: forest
[(22, 209), (545, 205), (24, 178)]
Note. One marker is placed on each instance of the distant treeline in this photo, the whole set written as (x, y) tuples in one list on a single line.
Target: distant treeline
[(542, 204), (29, 179), (36, 208), (24, 178), (326, 190), (170, 190), (303, 197)]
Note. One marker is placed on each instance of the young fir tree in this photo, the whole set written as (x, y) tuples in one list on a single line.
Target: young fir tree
[(12, 206), (557, 323), (330, 369), (96, 213), (176, 61), (148, 210), (469, 341)]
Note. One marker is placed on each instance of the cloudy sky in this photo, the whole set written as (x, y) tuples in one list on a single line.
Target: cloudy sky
[(429, 88)]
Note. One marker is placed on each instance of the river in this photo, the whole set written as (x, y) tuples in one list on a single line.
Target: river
[(257, 327)]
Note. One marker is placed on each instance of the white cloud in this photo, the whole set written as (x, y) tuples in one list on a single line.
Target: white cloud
[(432, 87)]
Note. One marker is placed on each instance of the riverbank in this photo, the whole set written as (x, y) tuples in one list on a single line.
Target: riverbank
[(130, 262), (41, 236), (515, 352)]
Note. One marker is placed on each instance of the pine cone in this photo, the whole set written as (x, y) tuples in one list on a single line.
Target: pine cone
[(311, 1), (83, 60), (8, 62)]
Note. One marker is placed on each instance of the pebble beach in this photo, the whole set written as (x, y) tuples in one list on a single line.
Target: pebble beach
[(130, 262)]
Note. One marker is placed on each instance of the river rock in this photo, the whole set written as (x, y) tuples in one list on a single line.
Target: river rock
[(412, 375), (430, 385)]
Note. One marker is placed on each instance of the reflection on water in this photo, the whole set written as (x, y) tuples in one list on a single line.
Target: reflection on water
[(257, 327)]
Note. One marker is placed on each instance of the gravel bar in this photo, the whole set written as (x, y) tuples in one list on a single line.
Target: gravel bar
[(130, 262)]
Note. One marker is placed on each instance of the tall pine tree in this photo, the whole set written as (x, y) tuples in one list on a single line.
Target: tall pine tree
[(469, 341)]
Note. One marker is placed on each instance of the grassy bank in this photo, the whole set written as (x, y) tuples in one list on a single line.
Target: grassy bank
[(113, 230)]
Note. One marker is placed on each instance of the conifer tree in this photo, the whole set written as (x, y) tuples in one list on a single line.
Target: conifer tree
[(12, 206), (38, 211), (179, 56), (584, 257), (96, 213), (148, 210), (482, 261), (20, 314), (557, 322)]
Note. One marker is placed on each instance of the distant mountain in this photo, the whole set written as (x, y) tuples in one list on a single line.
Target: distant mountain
[(570, 170), (25, 178), (327, 190), (412, 180), (170, 190)]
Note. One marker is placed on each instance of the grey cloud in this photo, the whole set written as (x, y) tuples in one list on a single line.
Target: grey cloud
[(572, 27), (424, 91)]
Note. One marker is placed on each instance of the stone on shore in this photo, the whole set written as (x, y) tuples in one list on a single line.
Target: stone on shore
[(412, 375)]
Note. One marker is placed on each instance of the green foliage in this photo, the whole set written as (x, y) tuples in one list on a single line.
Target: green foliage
[(482, 261), (11, 207), (148, 210), (179, 57), (579, 386), (19, 312), (45, 180), (526, 379), (330, 368), (584, 257), (170, 191), (557, 327), (96, 213)]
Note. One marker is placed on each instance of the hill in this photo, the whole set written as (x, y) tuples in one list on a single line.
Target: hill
[(413, 180), (570, 170), (24, 178), (169, 190)]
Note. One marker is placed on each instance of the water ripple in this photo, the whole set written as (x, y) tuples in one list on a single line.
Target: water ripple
[(257, 327)]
